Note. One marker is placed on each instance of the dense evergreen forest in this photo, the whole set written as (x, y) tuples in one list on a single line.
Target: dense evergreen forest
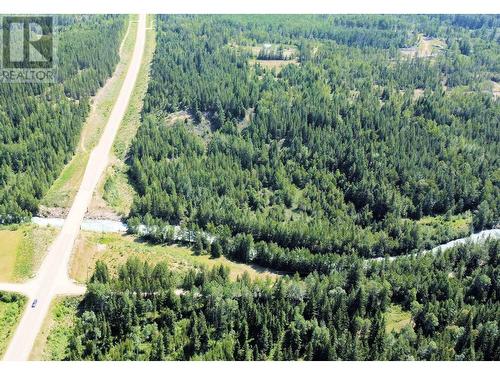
[(340, 151), (308, 144), (40, 123), (149, 313)]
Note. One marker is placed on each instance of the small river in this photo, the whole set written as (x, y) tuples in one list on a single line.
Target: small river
[(91, 225), (115, 226)]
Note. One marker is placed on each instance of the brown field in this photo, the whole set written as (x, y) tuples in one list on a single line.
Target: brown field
[(22, 249), (9, 244)]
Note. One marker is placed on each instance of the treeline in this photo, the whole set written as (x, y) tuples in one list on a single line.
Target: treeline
[(148, 313), (339, 157), (356, 30), (40, 123)]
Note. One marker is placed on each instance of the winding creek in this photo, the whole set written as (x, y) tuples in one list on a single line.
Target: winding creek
[(478, 237), (115, 226)]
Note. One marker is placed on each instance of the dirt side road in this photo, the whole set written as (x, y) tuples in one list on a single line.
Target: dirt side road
[(53, 277)]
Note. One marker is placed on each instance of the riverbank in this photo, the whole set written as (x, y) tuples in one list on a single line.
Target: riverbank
[(181, 234)]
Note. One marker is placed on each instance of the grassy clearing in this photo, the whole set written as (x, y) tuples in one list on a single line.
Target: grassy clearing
[(11, 308), (425, 47), (64, 189), (428, 47), (116, 189), (118, 192), (114, 249), (438, 229), (289, 52), (396, 319), (10, 242), (22, 249), (53, 338), (460, 223)]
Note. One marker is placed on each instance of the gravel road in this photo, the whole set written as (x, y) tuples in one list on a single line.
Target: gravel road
[(52, 278)]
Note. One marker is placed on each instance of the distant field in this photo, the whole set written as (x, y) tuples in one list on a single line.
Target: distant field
[(53, 338), (426, 47), (429, 46), (22, 249), (289, 52), (114, 249), (64, 189), (273, 64), (11, 308)]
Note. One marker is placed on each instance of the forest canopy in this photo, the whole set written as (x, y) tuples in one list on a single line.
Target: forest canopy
[(341, 149), (149, 313), (332, 150), (40, 123)]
